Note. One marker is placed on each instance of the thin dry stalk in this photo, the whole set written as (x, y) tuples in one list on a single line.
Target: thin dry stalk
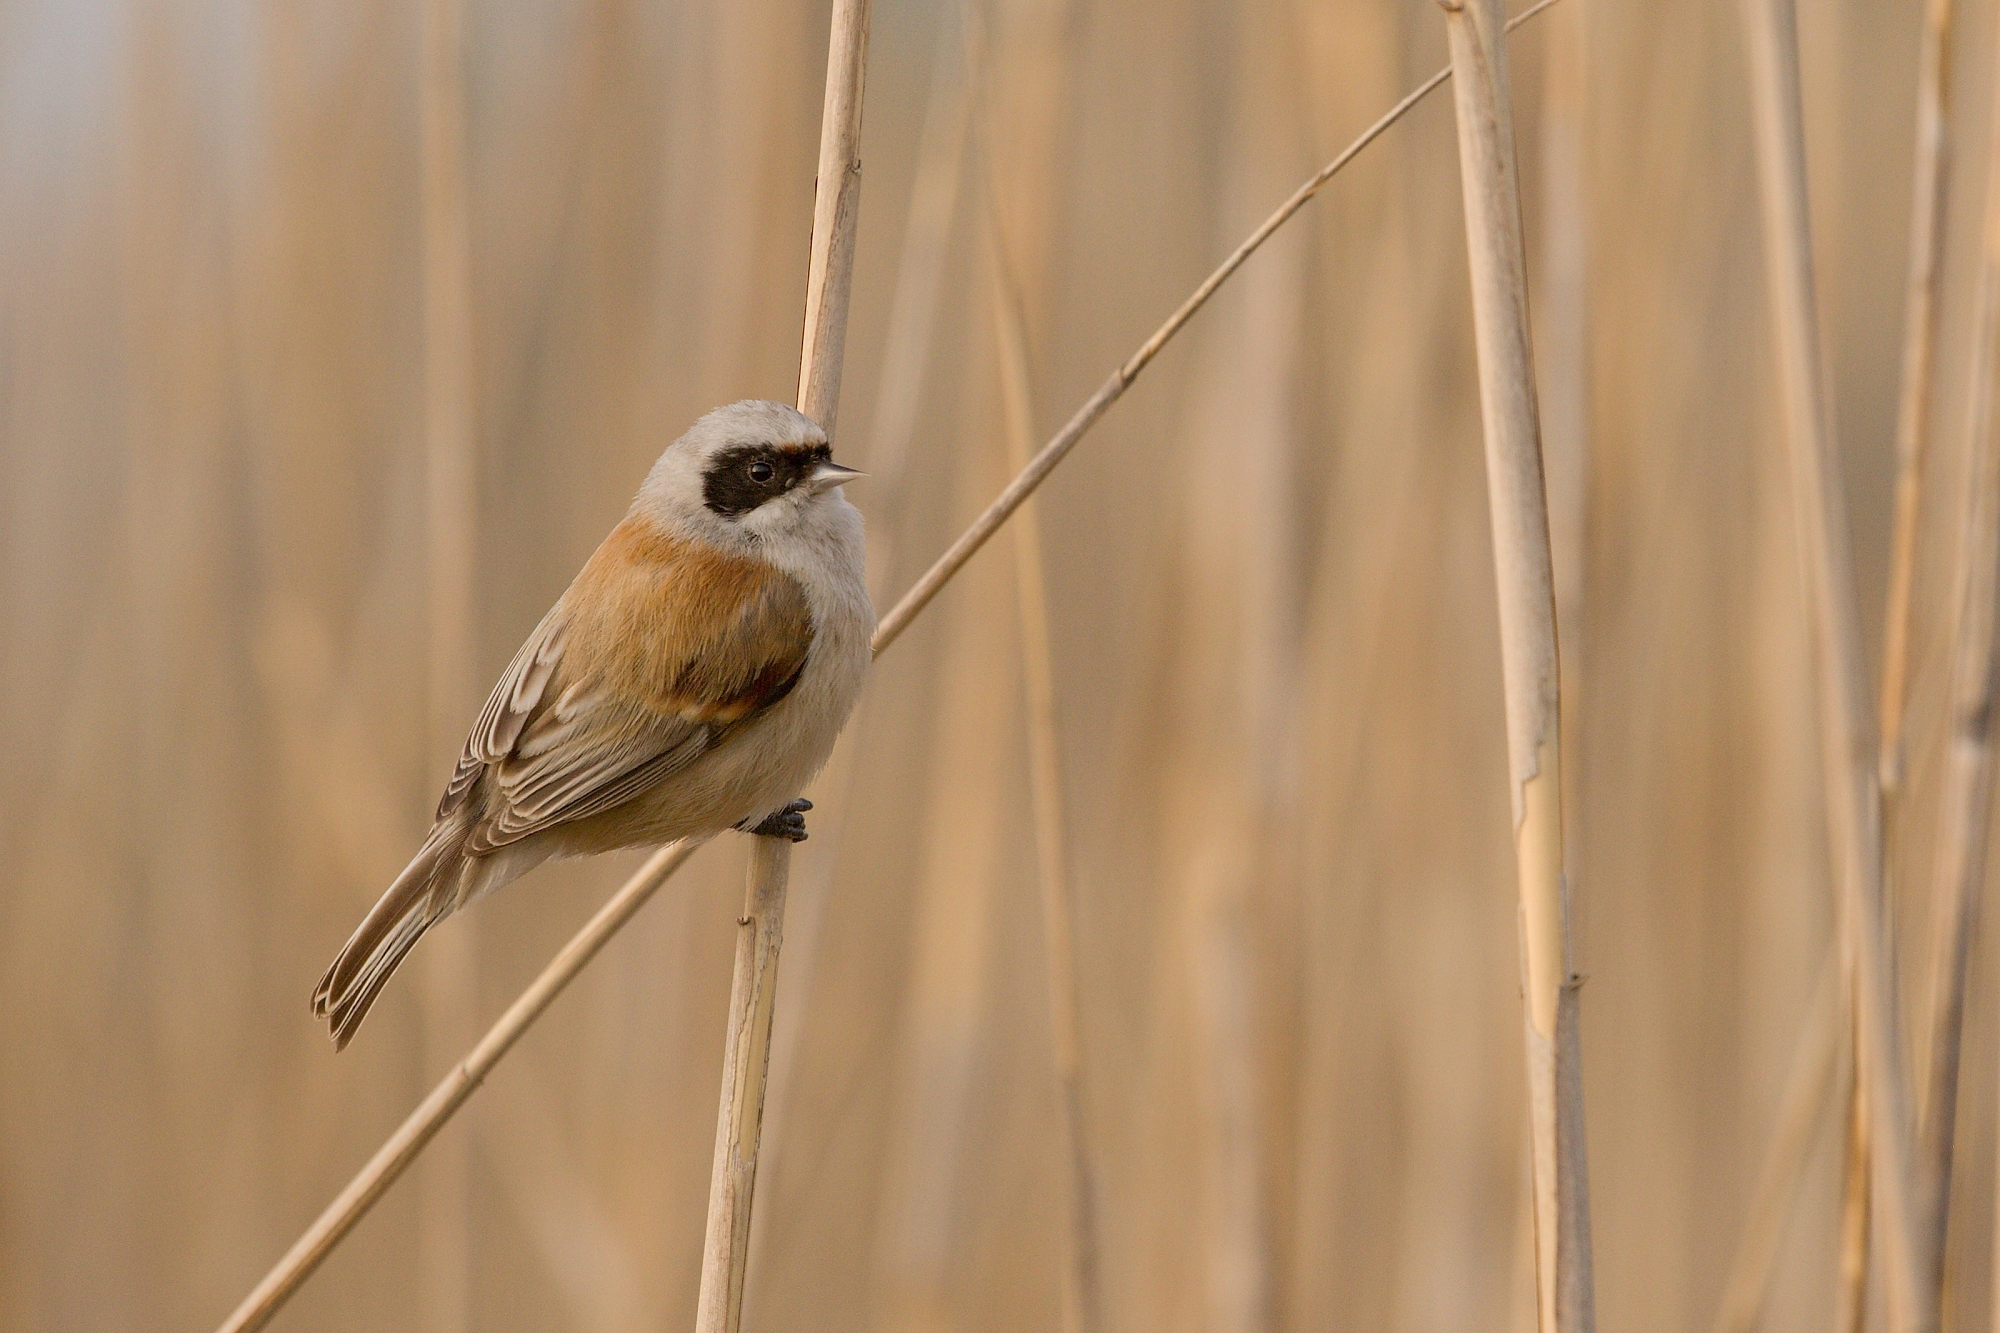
[(1850, 1307), (422, 1124), (1920, 315), (1562, 340), (906, 353), (745, 1065), (395, 1156), (1809, 1090), (1081, 1297), (1115, 385), (1528, 658), (444, 1243), (753, 992), (1849, 757), (1967, 799)]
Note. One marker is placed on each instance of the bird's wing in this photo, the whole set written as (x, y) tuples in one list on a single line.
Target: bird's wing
[(656, 653)]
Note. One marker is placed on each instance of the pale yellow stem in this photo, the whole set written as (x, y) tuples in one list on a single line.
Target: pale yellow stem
[(753, 993), (1529, 657), (1850, 758)]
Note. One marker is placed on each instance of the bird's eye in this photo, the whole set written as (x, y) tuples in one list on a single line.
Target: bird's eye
[(760, 472)]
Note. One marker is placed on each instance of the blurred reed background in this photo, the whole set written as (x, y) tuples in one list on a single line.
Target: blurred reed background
[(225, 602)]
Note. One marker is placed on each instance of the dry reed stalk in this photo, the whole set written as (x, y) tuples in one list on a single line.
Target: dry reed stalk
[(450, 965), (1810, 1085), (745, 1065), (760, 932), (1562, 341), (1850, 1307), (1044, 462), (1528, 658), (1920, 317), (1849, 754), (423, 1123), (1082, 1300), (906, 353), (1966, 802)]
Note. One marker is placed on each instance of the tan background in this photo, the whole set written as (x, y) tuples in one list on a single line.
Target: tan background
[(1275, 651)]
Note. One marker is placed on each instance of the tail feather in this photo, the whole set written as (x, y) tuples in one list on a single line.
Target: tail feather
[(423, 895)]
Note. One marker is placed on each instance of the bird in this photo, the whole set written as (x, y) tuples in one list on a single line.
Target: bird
[(692, 679)]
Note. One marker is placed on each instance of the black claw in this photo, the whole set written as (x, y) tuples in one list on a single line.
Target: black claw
[(789, 822)]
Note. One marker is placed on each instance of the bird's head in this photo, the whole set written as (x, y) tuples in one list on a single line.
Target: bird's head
[(748, 473)]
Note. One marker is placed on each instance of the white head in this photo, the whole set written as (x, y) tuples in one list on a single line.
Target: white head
[(751, 473)]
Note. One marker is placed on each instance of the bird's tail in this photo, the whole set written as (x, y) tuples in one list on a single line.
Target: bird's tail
[(423, 895)]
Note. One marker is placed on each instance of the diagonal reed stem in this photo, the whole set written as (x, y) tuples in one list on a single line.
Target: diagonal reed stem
[(1114, 386), (1849, 755), (423, 1123), (411, 1137)]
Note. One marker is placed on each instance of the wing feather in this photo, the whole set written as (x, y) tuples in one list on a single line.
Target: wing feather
[(657, 653)]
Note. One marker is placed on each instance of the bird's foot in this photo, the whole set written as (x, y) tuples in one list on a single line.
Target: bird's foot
[(790, 822)]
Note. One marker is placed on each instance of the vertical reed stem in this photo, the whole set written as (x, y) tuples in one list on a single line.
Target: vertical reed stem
[(1849, 755), (450, 963), (1966, 804), (753, 991), (1850, 1307), (1927, 189), (1528, 656), (745, 1064)]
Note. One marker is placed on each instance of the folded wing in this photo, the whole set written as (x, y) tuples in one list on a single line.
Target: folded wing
[(657, 652)]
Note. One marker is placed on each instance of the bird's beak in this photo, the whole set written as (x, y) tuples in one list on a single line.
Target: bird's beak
[(829, 475)]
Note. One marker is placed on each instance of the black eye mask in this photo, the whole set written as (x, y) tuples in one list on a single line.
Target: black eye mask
[(729, 487)]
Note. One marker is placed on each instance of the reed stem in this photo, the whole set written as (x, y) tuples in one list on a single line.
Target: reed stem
[(1920, 315), (754, 989), (1113, 388), (746, 1063), (417, 1130), (1850, 758), (1529, 659), (1966, 802)]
